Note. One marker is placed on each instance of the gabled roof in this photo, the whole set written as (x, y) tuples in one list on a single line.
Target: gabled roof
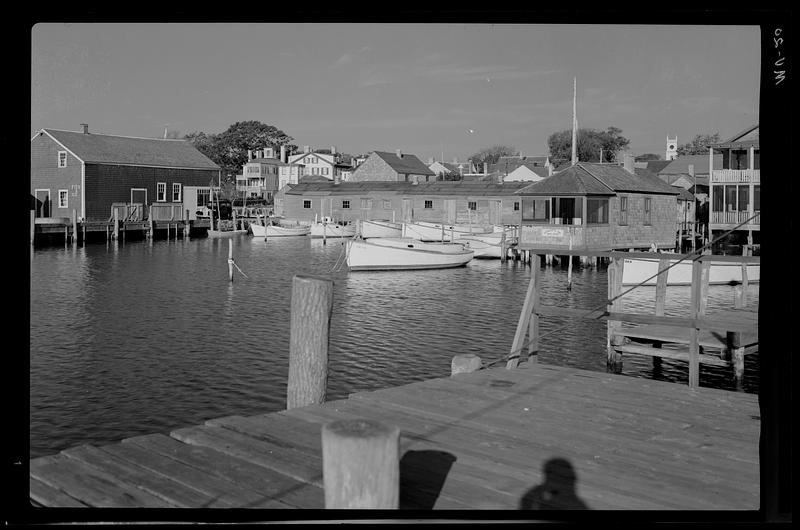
[(511, 164), (408, 188), (657, 165), (598, 179), (125, 150), (312, 179), (408, 164), (680, 166), (742, 139)]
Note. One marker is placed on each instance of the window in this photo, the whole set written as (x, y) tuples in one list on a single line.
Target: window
[(428, 204), (623, 210), (203, 197), (324, 171), (647, 210), (176, 192), (597, 211), (366, 204), (345, 204), (730, 198), (744, 198), (161, 192), (62, 198), (472, 205), (306, 204), (536, 210), (387, 205), (757, 198), (516, 206), (718, 199), (62, 159)]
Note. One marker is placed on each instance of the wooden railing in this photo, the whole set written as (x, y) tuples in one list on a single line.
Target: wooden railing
[(736, 176), (166, 211), (129, 211), (527, 336), (735, 217)]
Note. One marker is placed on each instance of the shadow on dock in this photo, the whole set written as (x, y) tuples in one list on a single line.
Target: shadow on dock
[(557, 492), (422, 475)]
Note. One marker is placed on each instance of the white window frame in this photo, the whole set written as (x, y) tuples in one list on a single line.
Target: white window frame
[(139, 189), (346, 204), (387, 204), (324, 171), (307, 202), (161, 192), (63, 200), (180, 191), (60, 165)]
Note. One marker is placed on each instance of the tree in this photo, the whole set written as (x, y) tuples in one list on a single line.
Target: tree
[(228, 149), (590, 142), (698, 145), (647, 156), (490, 155)]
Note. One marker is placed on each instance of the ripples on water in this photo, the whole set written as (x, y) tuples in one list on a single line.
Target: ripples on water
[(146, 337)]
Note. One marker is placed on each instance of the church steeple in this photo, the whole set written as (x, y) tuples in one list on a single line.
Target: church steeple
[(672, 148)]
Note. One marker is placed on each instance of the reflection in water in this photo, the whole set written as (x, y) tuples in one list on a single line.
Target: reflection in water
[(136, 338), (557, 491)]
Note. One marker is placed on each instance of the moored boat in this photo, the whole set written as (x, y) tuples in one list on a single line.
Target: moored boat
[(225, 233), (379, 228), (425, 231), (272, 230), (402, 253), (327, 227), (637, 270)]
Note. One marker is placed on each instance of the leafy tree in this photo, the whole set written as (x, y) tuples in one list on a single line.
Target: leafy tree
[(490, 155), (698, 145), (647, 156), (228, 149), (590, 142)]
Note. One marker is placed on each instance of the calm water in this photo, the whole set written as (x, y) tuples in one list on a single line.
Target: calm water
[(146, 337)]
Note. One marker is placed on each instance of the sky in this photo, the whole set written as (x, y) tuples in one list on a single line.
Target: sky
[(434, 90)]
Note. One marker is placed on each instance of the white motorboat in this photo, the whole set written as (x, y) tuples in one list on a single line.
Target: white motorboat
[(327, 227), (425, 231), (279, 231), (638, 270), (379, 228), (399, 253)]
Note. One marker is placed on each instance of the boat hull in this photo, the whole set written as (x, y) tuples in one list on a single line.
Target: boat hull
[(278, 231), (404, 254), (638, 270), (332, 230), (424, 231), (218, 234), (371, 229)]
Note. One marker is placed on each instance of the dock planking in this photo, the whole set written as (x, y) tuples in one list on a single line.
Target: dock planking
[(471, 441)]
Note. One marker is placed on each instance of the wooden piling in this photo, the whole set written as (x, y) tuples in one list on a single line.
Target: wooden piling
[(230, 259), (464, 364), (528, 322), (745, 284), (615, 270), (74, 227), (569, 265), (503, 249), (33, 225), (311, 307), (186, 226), (698, 306), (116, 224), (361, 465)]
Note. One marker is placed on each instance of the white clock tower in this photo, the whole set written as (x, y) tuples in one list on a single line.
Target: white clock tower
[(672, 148)]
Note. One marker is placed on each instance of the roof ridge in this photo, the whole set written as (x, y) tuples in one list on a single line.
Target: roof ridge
[(598, 179), (118, 135)]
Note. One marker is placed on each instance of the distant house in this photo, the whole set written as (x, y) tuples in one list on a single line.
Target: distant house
[(604, 207), (392, 167), (89, 172), (260, 175), (326, 163), (690, 172), (518, 170), (736, 186)]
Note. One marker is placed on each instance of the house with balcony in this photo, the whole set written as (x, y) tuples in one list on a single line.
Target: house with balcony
[(590, 206), (260, 175), (735, 188)]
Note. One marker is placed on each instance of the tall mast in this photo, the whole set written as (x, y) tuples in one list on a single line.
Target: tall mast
[(574, 122)]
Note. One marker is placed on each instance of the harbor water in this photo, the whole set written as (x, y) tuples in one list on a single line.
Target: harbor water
[(150, 336)]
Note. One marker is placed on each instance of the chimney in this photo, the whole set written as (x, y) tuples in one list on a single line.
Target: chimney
[(500, 177), (627, 163), (333, 149), (249, 155), (306, 149), (399, 153), (283, 154), (550, 171), (691, 170), (269, 152), (485, 168), (85, 128)]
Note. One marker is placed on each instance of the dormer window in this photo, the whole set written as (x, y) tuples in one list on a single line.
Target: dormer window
[(62, 159)]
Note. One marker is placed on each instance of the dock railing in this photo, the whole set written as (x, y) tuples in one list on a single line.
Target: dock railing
[(528, 335)]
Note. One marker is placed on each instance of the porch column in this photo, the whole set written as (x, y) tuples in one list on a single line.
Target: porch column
[(751, 158)]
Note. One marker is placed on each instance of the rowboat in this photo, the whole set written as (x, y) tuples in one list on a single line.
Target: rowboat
[(425, 231), (279, 231), (401, 253), (637, 270), (328, 228), (379, 228)]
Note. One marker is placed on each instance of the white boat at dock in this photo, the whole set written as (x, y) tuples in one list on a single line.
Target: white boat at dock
[(225, 233), (327, 227), (638, 270), (274, 230), (425, 231), (379, 228), (402, 253), (487, 245)]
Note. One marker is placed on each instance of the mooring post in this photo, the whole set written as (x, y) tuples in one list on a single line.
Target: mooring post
[(615, 270), (186, 227), (528, 322), (116, 224), (744, 284), (698, 306), (464, 364), (661, 300), (569, 265), (503, 250), (74, 227), (33, 225), (230, 260), (361, 465), (311, 307)]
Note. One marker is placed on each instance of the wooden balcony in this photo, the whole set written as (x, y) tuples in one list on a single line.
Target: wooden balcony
[(734, 218), (736, 176)]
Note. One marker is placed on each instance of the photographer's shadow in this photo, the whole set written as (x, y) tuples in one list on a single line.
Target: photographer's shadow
[(557, 492)]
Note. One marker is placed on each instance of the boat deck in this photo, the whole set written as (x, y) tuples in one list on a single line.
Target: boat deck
[(471, 441)]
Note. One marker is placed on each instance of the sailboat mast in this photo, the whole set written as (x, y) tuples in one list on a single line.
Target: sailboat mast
[(574, 122)]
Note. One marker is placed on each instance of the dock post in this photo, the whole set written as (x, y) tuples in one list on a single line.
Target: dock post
[(698, 306), (569, 265), (361, 465), (116, 224), (745, 284), (528, 322), (734, 353), (230, 259), (151, 234), (33, 225), (74, 226), (661, 299), (311, 307), (615, 270), (464, 364), (186, 224), (503, 249)]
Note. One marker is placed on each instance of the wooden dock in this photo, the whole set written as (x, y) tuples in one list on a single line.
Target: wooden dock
[(477, 440)]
